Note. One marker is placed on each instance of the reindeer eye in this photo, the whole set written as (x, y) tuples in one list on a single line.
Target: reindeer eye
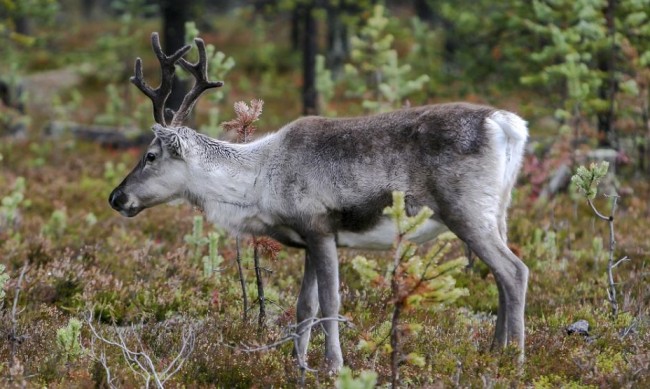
[(150, 157)]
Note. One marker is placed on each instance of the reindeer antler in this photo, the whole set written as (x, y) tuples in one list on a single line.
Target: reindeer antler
[(160, 94), (200, 72)]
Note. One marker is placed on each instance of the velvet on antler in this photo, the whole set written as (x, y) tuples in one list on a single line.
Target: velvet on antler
[(168, 63)]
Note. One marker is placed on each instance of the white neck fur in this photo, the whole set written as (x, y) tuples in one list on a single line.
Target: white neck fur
[(227, 188)]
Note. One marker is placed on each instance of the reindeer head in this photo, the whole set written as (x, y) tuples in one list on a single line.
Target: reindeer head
[(160, 175)]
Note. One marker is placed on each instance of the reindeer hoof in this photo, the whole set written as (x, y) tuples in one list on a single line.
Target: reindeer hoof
[(333, 365)]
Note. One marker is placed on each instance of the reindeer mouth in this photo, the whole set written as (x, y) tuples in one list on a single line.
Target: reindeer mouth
[(130, 212)]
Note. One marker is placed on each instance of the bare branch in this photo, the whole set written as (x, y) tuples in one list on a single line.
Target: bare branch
[(295, 335), (624, 259), (242, 282), (13, 338), (146, 367), (187, 344), (600, 215), (103, 360)]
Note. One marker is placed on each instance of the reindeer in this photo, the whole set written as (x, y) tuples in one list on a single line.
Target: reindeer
[(322, 183)]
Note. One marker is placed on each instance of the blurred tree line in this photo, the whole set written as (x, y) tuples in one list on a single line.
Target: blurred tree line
[(585, 62)]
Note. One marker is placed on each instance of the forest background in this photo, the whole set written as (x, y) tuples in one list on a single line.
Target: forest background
[(89, 298)]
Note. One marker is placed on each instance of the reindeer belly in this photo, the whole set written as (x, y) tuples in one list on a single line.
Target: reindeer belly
[(381, 236)]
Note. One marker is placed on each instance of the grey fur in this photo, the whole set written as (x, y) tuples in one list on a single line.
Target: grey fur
[(318, 183)]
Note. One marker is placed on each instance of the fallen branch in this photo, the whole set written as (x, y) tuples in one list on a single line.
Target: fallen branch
[(295, 331), (140, 363), (103, 135)]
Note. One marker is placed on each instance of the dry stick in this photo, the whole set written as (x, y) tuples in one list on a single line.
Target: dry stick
[(260, 286), (645, 117), (256, 260), (396, 352), (397, 311), (14, 321), (396, 315), (102, 360), (611, 288), (142, 359), (305, 325), (241, 279)]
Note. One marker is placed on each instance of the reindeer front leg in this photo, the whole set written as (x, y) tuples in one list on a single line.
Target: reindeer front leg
[(321, 250), (306, 309)]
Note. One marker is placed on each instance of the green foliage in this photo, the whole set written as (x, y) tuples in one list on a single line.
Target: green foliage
[(374, 73), (376, 340), (15, 45), (367, 270), (426, 55), (62, 111), (593, 60), (542, 247), (422, 279), (484, 46), (324, 85), (598, 249), (41, 11), (115, 110), (587, 180), (406, 224), (90, 219), (40, 151), (113, 173), (634, 19), (4, 277), (219, 65), (138, 270), (114, 50), (610, 361), (57, 224), (196, 240), (212, 261), (578, 37), (414, 282), (364, 380), (68, 340), (10, 206), (555, 381)]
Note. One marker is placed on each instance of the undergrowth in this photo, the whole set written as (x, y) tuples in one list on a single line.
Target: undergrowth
[(141, 272), (67, 256)]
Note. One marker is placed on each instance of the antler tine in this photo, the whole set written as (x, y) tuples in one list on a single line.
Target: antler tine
[(200, 72), (160, 94)]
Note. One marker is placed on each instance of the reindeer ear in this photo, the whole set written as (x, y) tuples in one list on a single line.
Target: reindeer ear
[(171, 140)]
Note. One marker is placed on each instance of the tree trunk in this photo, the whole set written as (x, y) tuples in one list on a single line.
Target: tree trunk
[(295, 29), (607, 64), (174, 15), (110, 137), (22, 26), (337, 41), (87, 9), (423, 10), (309, 95)]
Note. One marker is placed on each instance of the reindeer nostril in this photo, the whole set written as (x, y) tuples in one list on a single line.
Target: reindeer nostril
[(116, 198)]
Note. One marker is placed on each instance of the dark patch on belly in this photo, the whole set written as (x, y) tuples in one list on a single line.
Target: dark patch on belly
[(282, 234), (363, 216)]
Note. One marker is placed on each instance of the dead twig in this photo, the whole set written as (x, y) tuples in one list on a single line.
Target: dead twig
[(141, 363), (12, 336), (294, 332)]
